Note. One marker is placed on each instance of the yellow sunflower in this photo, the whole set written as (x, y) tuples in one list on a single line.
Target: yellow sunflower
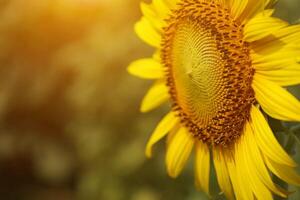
[(220, 63)]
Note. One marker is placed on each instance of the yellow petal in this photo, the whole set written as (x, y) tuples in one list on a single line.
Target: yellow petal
[(244, 10), (151, 14), (262, 25), (179, 151), (267, 141), (237, 7), (202, 167), (255, 160), (283, 77), (147, 32), (162, 8), (276, 101), (278, 64), (288, 174), (241, 172), (290, 34), (171, 3), (172, 134), (259, 189), (156, 56), (162, 129), (275, 57), (156, 95), (146, 68), (222, 173), (235, 179)]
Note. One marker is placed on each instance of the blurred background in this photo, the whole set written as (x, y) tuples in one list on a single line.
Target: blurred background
[(70, 126)]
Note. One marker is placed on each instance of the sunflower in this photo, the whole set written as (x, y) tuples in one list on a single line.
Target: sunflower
[(223, 66)]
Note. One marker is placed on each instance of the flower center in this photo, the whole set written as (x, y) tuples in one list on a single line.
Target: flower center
[(208, 69)]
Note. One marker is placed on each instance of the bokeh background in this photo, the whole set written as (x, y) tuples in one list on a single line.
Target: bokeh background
[(70, 126)]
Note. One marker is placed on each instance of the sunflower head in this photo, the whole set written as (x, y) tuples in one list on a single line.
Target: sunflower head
[(208, 70), (222, 65)]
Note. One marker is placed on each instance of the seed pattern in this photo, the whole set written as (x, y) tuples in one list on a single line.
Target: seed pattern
[(208, 71)]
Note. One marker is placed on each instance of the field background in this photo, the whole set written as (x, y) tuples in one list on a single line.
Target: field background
[(70, 126)]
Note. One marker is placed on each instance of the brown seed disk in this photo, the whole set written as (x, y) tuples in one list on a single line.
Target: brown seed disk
[(208, 70)]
